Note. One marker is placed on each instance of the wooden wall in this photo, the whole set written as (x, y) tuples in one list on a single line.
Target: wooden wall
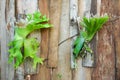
[(56, 43)]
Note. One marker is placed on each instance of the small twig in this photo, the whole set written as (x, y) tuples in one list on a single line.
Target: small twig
[(67, 39)]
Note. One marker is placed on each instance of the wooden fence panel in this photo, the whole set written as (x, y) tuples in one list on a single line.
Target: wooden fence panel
[(56, 42)]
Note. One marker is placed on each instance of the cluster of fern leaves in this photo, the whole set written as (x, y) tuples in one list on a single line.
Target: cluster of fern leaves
[(89, 28), (22, 46)]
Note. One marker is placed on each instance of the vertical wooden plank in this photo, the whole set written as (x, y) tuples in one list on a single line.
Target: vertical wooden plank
[(3, 41), (89, 60), (44, 72), (55, 12), (116, 30), (6, 25), (73, 26), (63, 71), (44, 9), (82, 72), (10, 19), (105, 59)]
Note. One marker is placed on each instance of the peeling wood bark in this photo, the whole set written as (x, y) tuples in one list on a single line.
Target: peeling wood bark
[(55, 12), (105, 60)]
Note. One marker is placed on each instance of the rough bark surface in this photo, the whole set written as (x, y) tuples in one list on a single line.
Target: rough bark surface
[(105, 55)]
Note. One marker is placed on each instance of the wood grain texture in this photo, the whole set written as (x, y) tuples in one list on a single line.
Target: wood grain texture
[(88, 60), (73, 27), (116, 29), (44, 9), (82, 73), (63, 71), (105, 59), (7, 31), (4, 55), (55, 12), (44, 72)]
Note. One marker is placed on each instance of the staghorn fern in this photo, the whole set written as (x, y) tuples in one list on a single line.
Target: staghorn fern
[(22, 46), (89, 28)]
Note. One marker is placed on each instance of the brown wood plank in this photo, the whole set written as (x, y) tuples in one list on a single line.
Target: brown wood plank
[(105, 55), (44, 9), (55, 12), (116, 30), (63, 71), (44, 72)]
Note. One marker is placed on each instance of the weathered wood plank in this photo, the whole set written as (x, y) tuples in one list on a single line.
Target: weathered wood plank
[(73, 26), (44, 72), (24, 7), (116, 30), (10, 19), (6, 25), (55, 12), (63, 71), (89, 60), (81, 72), (105, 59), (4, 56)]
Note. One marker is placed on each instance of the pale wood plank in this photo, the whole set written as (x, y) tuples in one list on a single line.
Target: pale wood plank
[(4, 56), (63, 71), (10, 19), (89, 60), (81, 72), (55, 12), (7, 31), (73, 26)]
